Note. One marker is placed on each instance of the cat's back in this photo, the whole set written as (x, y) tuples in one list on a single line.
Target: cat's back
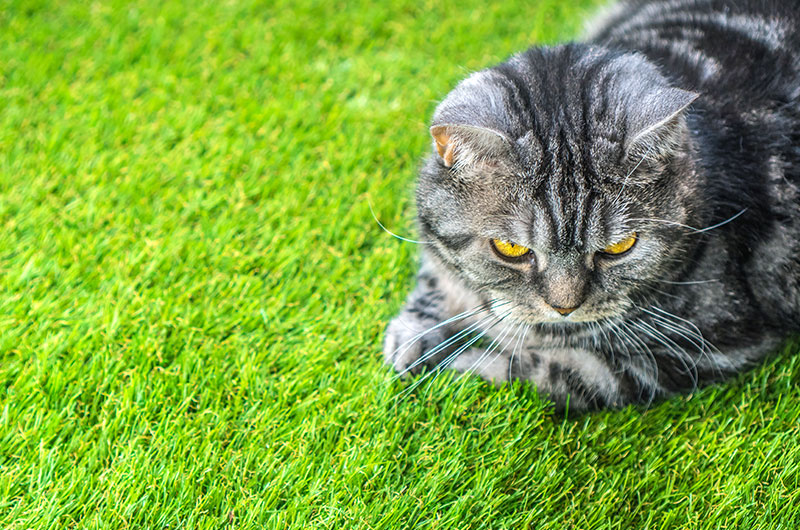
[(743, 58), (730, 49)]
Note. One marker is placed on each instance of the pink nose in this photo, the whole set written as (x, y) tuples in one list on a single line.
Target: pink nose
[(564, 310)]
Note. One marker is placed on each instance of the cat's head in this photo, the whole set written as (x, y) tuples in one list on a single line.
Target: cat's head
[(559, 181)]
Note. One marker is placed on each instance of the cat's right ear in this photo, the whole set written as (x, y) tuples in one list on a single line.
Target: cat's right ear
[(656, 122), (444, 145), (463, 145)]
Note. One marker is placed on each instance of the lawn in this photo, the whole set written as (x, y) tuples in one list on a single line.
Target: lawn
[(193, 292)]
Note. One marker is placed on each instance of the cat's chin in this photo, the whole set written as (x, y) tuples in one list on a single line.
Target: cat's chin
[(562, 322)]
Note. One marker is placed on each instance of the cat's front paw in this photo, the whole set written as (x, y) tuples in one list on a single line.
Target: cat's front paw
[(411, 344)]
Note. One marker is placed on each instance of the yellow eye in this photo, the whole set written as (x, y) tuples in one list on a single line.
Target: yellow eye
[(508, 249), (622, 246)]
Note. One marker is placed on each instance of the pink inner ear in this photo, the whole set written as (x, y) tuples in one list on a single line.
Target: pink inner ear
[(440, 145), (444, 147)]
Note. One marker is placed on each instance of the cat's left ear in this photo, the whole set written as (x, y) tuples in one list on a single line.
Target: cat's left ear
[(656, 122), (462, 145)]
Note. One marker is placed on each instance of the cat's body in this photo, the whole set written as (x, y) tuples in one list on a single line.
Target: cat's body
[(649, 178)]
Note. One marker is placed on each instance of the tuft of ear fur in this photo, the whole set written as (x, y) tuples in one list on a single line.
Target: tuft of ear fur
[(464, 145)]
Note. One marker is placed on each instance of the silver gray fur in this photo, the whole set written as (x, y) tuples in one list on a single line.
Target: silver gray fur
[(679, 120)]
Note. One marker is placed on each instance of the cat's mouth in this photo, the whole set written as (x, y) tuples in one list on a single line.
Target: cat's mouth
[(557, 318)]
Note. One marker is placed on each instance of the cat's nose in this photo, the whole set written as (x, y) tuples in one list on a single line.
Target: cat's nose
[(564, 310)]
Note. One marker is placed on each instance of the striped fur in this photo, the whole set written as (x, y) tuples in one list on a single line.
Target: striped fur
[(678, 121)]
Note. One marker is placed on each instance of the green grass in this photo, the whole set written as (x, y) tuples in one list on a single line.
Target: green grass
[(193, 292)]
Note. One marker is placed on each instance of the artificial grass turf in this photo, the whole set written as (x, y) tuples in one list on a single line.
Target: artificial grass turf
[(194, 292)]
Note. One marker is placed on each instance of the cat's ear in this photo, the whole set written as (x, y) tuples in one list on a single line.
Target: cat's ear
[(655, 122), (463, 145)]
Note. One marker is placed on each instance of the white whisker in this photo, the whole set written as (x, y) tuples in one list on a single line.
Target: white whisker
[(444, 344), (688, 322), (645, 351), (466, 314), (450, 358), (692, 228), (497, 342), (670, 345), (706, 348), (401, 238), (696, 282), (625, 181), (519, 343), (605, 337)]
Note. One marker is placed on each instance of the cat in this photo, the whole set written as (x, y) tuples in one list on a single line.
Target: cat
[(615, 220)]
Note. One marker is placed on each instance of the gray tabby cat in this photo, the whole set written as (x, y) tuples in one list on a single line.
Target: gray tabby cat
[(616, 220)]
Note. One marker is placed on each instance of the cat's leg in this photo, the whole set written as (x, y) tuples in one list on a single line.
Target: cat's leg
[(418, 328), (583, 379), (577, 378), (422, 334)]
